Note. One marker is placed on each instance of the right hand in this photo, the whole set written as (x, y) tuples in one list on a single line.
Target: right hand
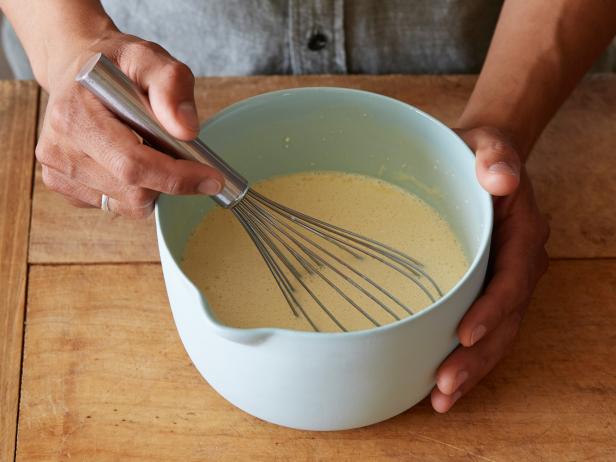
[(517, 261), (86, 151)]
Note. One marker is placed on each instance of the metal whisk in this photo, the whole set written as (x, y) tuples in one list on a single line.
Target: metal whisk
[(291, 243)]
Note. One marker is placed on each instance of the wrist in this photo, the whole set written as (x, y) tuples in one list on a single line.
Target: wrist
[(67, 52)]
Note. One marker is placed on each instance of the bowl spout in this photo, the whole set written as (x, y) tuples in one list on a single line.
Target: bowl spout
[(250, 337)]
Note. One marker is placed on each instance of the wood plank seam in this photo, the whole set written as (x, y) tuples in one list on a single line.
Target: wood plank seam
[(25, 317), (18, 108), (96, 263), (106, 378), (582, 226)]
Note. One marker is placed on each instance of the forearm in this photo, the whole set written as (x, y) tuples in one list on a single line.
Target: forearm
[(54, 32), (539, 52)]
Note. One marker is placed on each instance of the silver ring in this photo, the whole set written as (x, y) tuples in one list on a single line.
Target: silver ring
[(105, 203)]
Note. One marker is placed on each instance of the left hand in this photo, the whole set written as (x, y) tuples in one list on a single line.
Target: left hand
[(517, 261)]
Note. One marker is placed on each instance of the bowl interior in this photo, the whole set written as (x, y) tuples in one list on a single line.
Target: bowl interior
[(346, 130)]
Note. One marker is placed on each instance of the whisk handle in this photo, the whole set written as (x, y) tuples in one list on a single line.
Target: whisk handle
[(120, 95)]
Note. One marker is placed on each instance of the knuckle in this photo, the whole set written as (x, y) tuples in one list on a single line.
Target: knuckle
[(45, 153), (71, 170), (141, 198), (129, 211), (146, 45), (516, 320), (137, 48), (501, 143), (45, 175), (128, 171), (176, 184), (52, 180), (503, 149), (499, 309), (61, 116), (134, 50), (175, 70), (491, 132), (512, 329), (52, 156)]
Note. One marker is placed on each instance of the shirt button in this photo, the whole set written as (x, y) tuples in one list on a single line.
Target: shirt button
[(317, 41)]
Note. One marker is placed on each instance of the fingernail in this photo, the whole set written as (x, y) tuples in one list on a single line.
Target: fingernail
[(503, 167), (209, 186), (456, 396), (477, 333), (188, 115), (460, 379)]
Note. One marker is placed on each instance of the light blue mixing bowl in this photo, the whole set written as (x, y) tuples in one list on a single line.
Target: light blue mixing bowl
[(330, 381)]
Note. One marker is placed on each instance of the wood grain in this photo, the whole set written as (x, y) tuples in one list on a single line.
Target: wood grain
[(106, 378), (572, 168), (18, 106), (62, 234)]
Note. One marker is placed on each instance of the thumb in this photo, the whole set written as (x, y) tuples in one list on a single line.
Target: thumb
[(497, 163), (170, 87)]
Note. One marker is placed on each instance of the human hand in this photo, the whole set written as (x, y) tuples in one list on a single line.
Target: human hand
[(86, 151), (517, 261)]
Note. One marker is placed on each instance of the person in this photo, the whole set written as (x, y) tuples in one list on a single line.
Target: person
[(538, 52)]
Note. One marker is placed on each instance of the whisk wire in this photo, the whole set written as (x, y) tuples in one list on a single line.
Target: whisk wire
[(279, 233), (279, 225), (410, 267), (275, 230), (283, 283), (311, 270), (351, 235), (263, 234), (339, 261)]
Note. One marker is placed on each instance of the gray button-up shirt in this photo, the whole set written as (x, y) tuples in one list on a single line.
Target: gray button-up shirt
[(240, 37)]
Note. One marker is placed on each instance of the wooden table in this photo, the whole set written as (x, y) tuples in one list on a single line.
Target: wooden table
[(92, 368)]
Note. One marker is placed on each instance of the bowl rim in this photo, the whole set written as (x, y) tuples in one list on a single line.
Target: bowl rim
[(263, 332)]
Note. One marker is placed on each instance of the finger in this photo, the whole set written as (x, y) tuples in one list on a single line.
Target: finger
[(465, 367), (497, 162), (78, 203), (76, 165), (83, 196), (85, 124), (168, 83), (500, 299), (506, 289), (520, 260), (116, 148), (128, 210), (76, 193)]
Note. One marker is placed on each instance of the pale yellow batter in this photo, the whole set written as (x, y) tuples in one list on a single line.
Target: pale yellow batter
[(223, 262)]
